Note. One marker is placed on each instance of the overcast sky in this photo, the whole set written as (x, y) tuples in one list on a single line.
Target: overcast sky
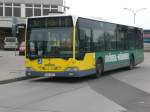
[(113, 10)]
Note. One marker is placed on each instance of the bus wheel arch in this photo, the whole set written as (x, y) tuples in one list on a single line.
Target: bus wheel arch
[(99, 67)]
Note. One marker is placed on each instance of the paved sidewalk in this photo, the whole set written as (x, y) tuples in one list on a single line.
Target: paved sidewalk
[(11, 66)]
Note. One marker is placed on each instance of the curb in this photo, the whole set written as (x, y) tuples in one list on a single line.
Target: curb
[(15, 80)]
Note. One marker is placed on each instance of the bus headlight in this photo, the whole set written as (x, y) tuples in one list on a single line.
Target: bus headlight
[(71, 69)]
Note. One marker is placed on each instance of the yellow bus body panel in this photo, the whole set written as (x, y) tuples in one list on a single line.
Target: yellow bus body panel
[(61, 65)]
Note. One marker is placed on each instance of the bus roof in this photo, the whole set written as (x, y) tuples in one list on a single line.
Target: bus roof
[(63, 15), (86, 17)]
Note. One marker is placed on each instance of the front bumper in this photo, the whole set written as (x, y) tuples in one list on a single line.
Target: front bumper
[(62, 74)]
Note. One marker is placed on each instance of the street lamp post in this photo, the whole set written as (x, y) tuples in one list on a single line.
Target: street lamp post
[(134, 12)]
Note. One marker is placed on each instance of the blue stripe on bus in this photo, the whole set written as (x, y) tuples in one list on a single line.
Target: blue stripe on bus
[(63, 74)]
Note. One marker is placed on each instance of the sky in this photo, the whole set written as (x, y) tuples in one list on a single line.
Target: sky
[(113, 10)]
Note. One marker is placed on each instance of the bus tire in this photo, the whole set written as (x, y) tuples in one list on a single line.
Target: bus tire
[(99, 68), (131, 65)]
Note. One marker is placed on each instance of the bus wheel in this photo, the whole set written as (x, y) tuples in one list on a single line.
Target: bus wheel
[(131, 65), (99, 68)]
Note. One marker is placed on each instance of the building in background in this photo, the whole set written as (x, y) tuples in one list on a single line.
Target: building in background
[(16, 12), (146, 40)]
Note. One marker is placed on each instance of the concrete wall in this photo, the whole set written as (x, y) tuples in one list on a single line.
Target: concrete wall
[(58, 2), (7, 21)]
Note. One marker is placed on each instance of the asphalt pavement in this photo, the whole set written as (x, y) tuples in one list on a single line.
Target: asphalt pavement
[(117, 91), (12, 66)]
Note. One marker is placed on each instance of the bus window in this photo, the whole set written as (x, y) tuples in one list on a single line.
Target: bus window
[(98, 40), (85, 39), (110, 36), (131, 38)]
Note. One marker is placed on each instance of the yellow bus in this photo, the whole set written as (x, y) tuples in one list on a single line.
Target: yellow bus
[(71, 46)]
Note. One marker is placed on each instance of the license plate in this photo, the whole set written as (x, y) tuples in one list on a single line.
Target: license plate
[(49, 74)]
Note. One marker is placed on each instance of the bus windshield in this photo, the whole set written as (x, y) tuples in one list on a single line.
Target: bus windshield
[(53, 40)]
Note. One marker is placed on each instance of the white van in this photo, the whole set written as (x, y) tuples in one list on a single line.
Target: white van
[(10, 43)]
